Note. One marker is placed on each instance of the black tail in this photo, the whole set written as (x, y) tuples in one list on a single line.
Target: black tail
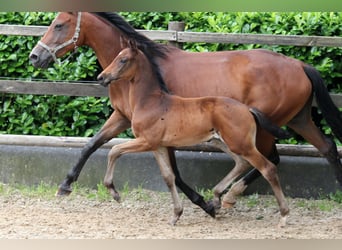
[(268, 125), (330, 112)]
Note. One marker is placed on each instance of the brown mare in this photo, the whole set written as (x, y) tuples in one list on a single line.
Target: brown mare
[(161, 120), (279, 86)]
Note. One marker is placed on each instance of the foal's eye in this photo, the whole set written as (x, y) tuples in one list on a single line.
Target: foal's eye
[(123, 60), (58, 26)]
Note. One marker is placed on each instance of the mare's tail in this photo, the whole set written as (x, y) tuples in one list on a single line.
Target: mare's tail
[(268, 125), (329, 111)]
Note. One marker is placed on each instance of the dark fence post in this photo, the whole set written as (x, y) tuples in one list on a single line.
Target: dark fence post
[(176, 26)]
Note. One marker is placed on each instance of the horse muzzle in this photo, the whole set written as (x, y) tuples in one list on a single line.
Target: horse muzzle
[(104, 81), (40, 58)]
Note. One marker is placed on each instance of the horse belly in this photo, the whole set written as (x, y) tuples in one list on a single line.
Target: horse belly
[(188, 132), (182, 139)]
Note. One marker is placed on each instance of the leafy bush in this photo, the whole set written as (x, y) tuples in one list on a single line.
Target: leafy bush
[(47, 115), (82, 116)]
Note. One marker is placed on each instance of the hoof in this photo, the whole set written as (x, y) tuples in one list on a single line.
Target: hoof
[(62, 191), (173, 221), (210, 209), (283, 221), (227, 205), (215, 203), (115, 195), (113, 192)]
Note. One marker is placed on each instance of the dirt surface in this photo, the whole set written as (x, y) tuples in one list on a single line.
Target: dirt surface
[(146, 215)]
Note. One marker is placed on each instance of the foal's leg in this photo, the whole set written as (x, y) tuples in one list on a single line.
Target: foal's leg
[(116, 151), (241, 166), (113, 126), (162, 157), (269, 172), (161, 154), (229, 199)]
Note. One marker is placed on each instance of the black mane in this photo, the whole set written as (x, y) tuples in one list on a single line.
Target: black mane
[(150, 48)]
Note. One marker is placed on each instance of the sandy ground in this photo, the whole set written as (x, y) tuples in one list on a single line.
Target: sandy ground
[(146, 215)]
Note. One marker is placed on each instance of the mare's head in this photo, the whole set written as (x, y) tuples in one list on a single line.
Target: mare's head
[(62, 36), (123, 67)]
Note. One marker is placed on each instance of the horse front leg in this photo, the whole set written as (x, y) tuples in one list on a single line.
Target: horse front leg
[(163, 159), (112, 127), (133, 146), (193, 196)]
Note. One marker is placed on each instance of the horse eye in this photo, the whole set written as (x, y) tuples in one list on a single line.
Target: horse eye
[(58, 26), (123, 60)]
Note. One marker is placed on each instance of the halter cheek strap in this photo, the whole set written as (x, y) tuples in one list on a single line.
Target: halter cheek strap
[(73, 40)]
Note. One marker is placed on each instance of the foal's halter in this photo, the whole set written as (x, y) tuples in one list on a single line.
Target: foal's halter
[(73, 40)]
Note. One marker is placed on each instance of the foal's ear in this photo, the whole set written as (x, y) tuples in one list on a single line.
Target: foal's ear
[(73, 13)]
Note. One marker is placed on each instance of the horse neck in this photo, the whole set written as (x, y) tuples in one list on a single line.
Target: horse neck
[(144, 88), (103, 38)]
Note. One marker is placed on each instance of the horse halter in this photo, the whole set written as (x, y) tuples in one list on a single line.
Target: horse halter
[(73, 40)]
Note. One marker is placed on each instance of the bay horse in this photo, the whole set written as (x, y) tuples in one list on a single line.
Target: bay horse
[(161, 120), (281, 87)]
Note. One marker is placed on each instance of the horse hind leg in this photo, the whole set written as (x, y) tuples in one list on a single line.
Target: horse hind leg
[(303, 125), (240, 166), (229, 199), (269, 172)]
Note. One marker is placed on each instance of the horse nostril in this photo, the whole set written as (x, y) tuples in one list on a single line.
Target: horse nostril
[(33, 57), (100, 78)]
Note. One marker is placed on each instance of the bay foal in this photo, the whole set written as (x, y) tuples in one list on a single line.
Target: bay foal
[(161, 120)]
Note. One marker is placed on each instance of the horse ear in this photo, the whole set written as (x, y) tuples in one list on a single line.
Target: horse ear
[(73, 13), (133, 45), (123, 42)]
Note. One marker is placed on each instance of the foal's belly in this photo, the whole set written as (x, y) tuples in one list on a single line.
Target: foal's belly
[(187, 137), (184, 140)]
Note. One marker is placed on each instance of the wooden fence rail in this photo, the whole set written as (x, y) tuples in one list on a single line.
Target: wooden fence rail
[(207, 37)]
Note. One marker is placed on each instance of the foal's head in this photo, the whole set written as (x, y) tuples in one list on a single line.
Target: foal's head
[(128, 63), (123, 67)]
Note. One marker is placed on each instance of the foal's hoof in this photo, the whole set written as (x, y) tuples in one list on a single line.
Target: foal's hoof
[(283, 221), (228, 205), (115, 195), (173, 221), (63, 191)]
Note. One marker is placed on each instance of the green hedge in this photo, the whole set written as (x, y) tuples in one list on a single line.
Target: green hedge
[(83, 116)]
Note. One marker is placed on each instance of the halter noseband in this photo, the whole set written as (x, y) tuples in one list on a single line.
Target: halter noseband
[(73, 40)]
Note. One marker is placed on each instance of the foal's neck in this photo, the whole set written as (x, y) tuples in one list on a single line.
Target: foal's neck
[(145, 87)]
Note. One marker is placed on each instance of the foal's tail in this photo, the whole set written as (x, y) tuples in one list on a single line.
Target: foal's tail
[(268, 125), (329, 111)]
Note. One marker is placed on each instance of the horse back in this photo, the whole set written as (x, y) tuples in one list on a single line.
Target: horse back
[(271, 82)]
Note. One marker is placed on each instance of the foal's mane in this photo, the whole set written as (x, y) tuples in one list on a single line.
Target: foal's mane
[(151, 49)]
